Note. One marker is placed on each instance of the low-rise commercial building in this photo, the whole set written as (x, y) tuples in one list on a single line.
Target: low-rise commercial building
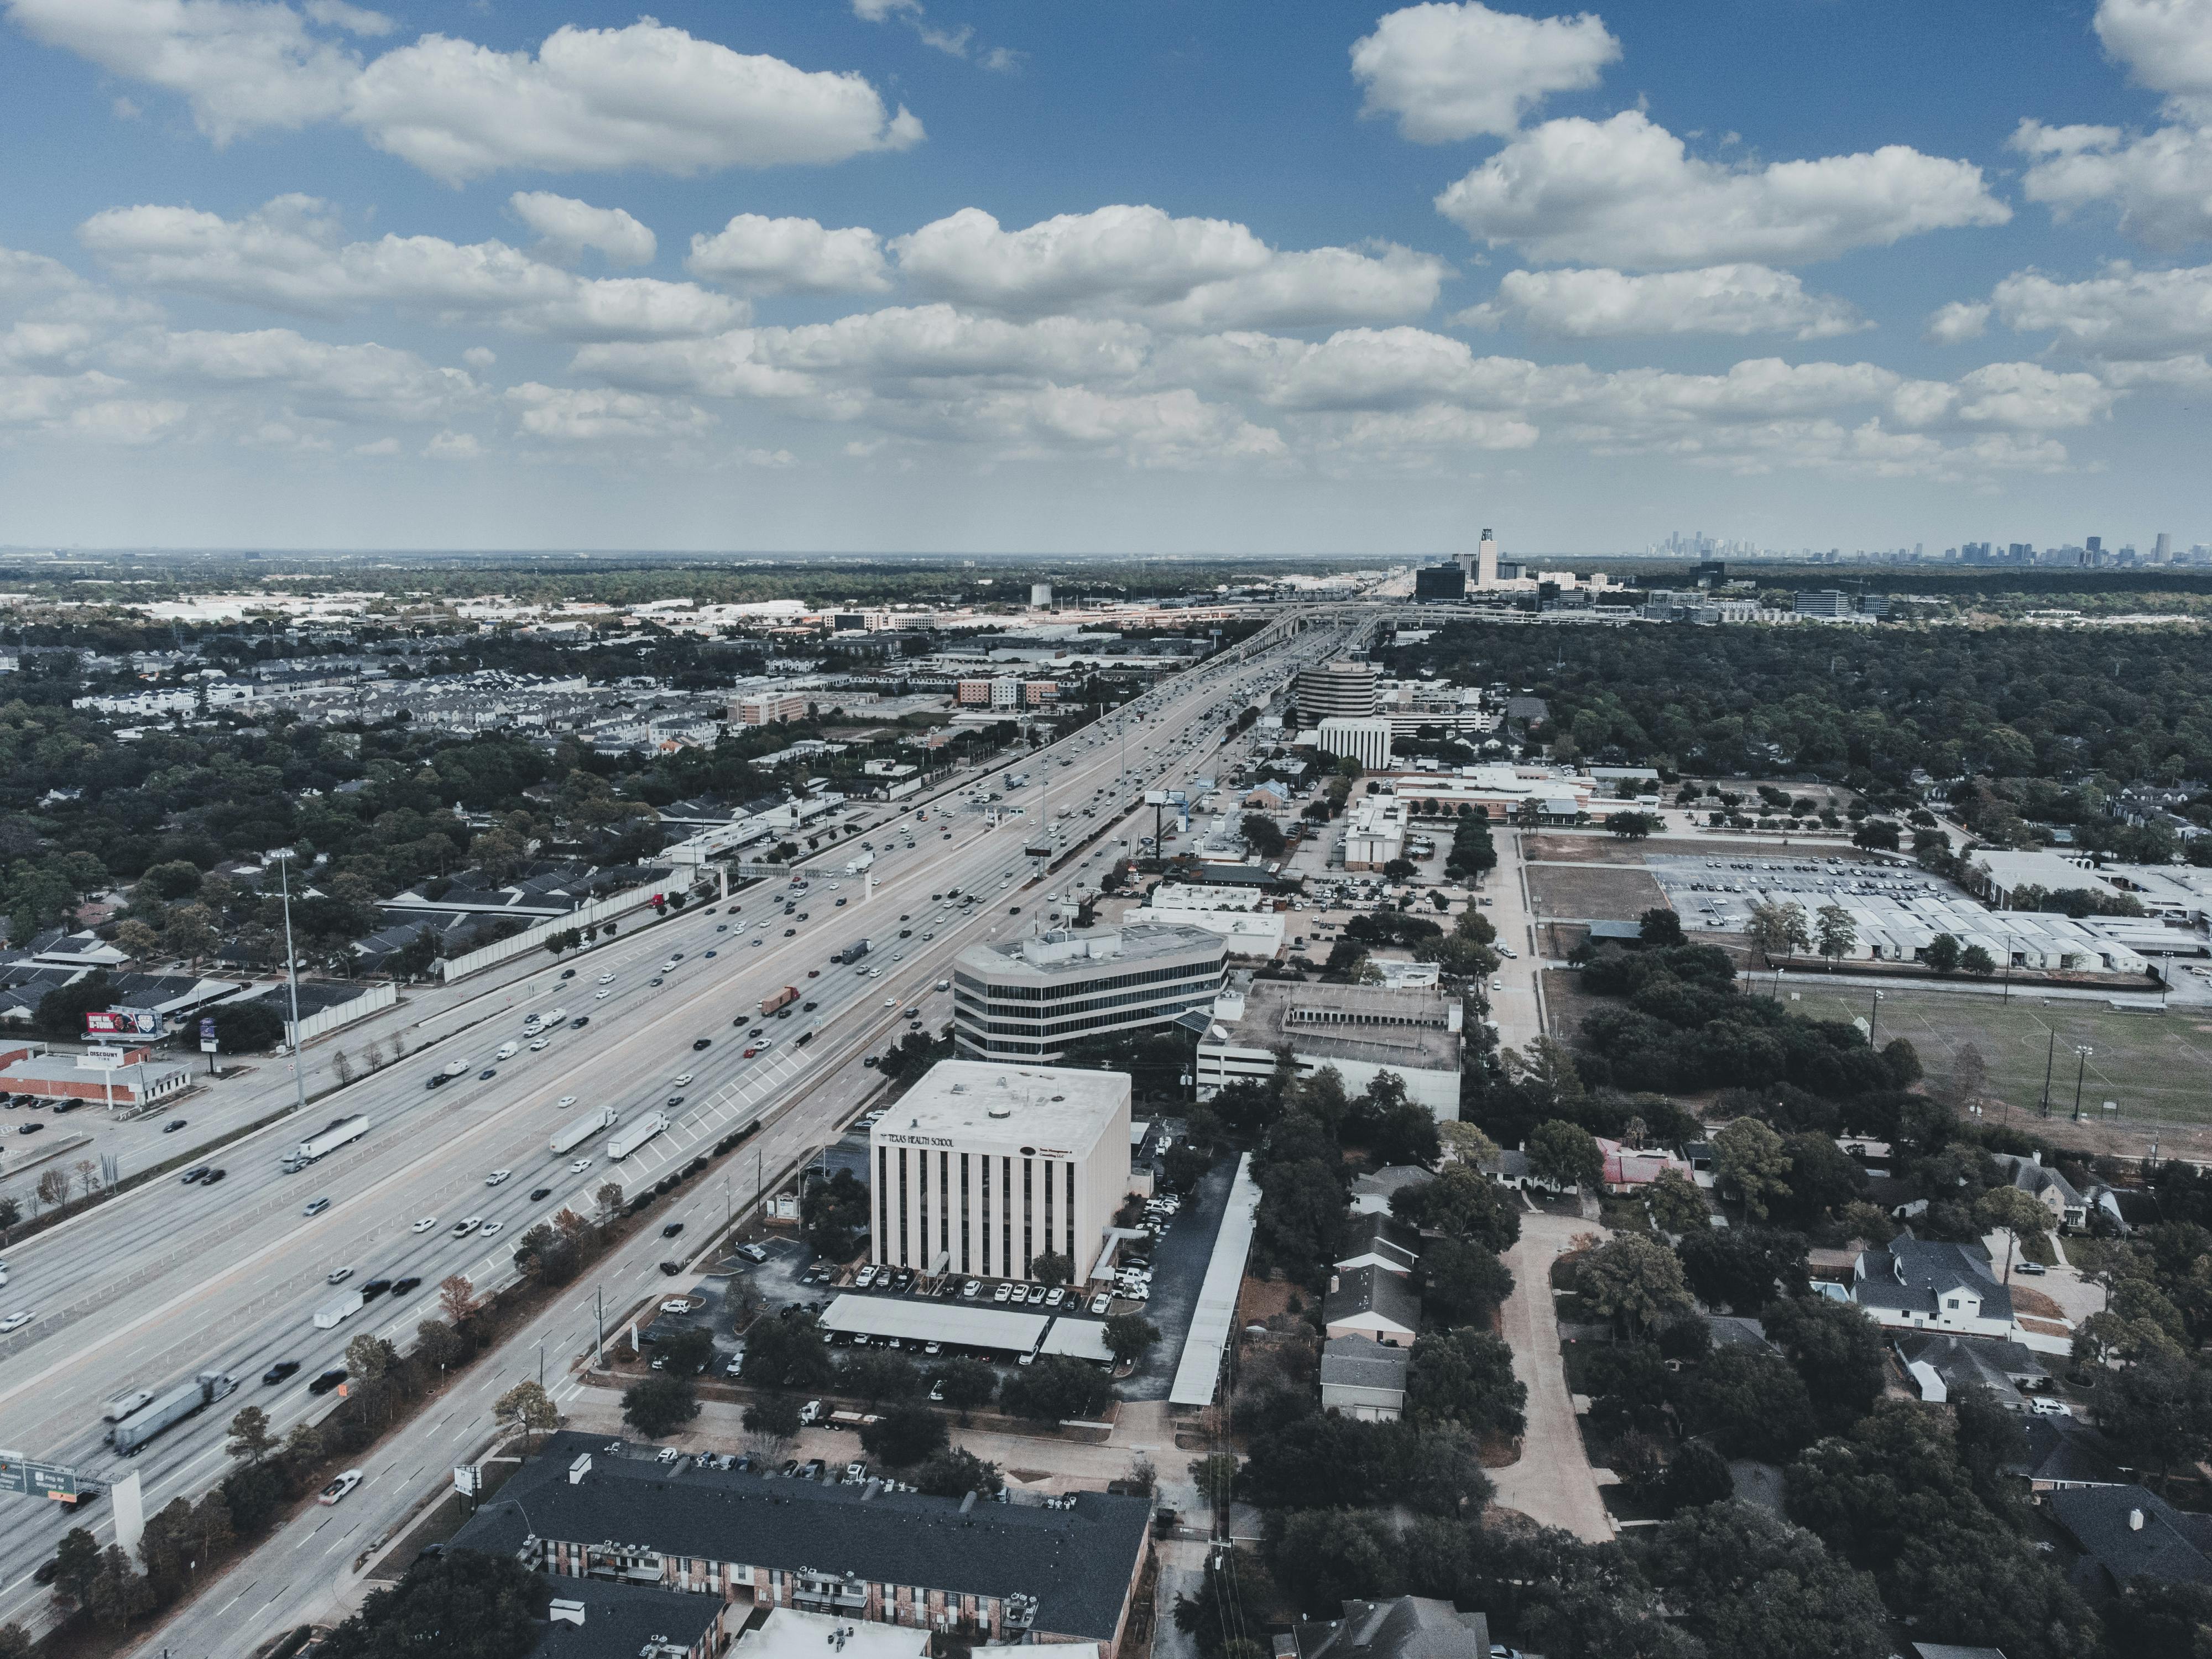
[(1362, 1031), (984, 1167), (979, 1572), (1030, 998)]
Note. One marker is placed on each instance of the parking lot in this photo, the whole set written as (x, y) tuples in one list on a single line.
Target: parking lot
[(1718, 893)]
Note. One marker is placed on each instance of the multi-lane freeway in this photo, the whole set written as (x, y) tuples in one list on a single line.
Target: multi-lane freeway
[(174, 1278)]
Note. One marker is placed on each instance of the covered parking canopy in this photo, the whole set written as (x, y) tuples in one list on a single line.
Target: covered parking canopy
[(1081, 1339), (936, 1321)]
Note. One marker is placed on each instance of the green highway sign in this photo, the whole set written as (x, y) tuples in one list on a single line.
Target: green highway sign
[(27, 1477)]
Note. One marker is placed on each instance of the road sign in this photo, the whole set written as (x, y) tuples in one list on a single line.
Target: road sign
[(28, 1477), (468, 1478)]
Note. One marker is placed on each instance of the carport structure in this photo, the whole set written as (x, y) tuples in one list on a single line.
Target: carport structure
[(999, 1329), (1080, 1339)]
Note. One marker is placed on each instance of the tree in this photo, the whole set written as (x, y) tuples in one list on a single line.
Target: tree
[(53, 1188), (659, 1405), (1566, 1155), (369, 1356), (777, 1348), (1466, 1283), (1779, 929), (1634, 1281), (1750, 1587), (965, 1384), (1465, 1377), (118, 1594), (1977, 961), (1130, 1336), (1749, 1157), (1744, 1268), (1676, 1204), (1823, 1178), (1461, 1202), (874, 1377), (527, 1407), (247, 1028), (436, 1344), (689, 1351), (2019, 1215), (1837, 933), (1050, 1268), (1753, 1404), (905, 1435), (251, 1439), (1698, 1474), (1943, 954), (1660, 926), (2157, 1412), (833, 1212), (1056, 1389), (954, 1472), (76, 1565), (1837, 1350), (1465, 1142), (60, 1014), (1263, 835), (463, 1604), (457, 1298)]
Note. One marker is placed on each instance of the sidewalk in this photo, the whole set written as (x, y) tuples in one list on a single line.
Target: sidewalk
[(1552, 1484)]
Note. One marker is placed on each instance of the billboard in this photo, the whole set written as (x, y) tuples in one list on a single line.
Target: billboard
[(207, 1037), (122, 1022)]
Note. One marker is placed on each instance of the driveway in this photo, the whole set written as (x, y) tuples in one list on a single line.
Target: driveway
[(1179, 1264), (1552, 1484)]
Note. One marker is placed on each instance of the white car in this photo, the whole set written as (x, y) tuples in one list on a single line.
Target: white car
[(890, 1002), (424, 1224), (682, 1079), (565, 1102), (499, 1177), (1101, 1303), (338, 1488), (491, 1227), (606, 979), (599, 996), (467, 1225), (15, 1321), (542, 1042), (579, 1166)]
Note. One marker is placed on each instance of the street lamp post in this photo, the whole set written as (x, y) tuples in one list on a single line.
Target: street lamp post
[(2083, 1051), (292, 983), (2050, 1055), (1874, 1015)]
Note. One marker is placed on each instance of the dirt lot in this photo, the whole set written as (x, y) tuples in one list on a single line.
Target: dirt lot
[(1565, 1004), (1580, 849), (1593, 894)]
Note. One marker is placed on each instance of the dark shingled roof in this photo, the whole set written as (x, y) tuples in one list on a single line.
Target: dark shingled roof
[(1376, 1290), (1912, 1275), (1079, 1562), (1411, 1627), (1353, 1362), (2067, 1452), (2168, 1545), (1967, 1362), (1379, 1236), (621, 1618)]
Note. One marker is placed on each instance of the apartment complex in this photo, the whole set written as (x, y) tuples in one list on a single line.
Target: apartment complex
[(1029, 998), (981, 1168)]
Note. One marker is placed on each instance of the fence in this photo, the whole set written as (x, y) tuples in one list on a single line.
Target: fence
[(534, 938)]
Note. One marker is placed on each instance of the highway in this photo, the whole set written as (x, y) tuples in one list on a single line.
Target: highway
[(173, 1278)]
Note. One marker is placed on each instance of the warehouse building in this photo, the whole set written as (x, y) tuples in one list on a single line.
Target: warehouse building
[(1029, 998), (1362, 1031), (982, 1167), (977, 1571)]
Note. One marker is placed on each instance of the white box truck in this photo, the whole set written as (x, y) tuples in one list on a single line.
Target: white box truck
[(342, 1132), (636, 1135), (859, 862), (171, 1409), (577, 1130), (336, 1311)]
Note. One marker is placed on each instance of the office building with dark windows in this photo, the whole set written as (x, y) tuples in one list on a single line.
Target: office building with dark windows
[(981, 1168), (1030, 998)]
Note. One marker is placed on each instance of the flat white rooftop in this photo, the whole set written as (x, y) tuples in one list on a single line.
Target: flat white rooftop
[(788, 1634), (1083, 1339), (937, 1321), (978, 1105)]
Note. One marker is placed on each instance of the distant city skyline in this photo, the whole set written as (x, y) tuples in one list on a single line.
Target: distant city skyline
[(955, 276)]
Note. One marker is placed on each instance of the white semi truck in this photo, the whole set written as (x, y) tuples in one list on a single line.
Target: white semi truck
[(859, 862), (575, 1133), (341, 1133), (636, 1135), (339, 1309), (171, 1409)]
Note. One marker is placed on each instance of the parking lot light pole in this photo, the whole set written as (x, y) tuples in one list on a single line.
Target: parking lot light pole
[(1874, 1015), (2081, 1051)]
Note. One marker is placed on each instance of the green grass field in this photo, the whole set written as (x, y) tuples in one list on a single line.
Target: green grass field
[(2156, 1068)]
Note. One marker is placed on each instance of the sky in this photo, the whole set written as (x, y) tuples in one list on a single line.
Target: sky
[(1007, 275)]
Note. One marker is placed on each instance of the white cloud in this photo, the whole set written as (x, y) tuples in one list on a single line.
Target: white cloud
[(1177, 273), (2121, 313), (288, 256), (2157, 181), (1961, 320), (1626, 191), (480, 357), (377, 447), (568, 227), (452, 446), (593, 414), (331, 382), (1588, 304), (1455, 72), (790, 256), (2166, 44), (587, 100)]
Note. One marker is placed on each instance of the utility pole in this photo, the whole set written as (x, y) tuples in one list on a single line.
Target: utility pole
[(599, 1331), (1874, 1014), (2081, 1051), (2051, 1055), (292, 981)]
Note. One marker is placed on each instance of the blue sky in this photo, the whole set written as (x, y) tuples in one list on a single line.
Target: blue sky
[(921, 275)]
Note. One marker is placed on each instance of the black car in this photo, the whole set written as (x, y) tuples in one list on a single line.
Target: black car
[(539, 1194), (789, 932), (702, 1043), (374, 1287), (401, 1286), (567, 973), (809, 1007), (487, 1074), (579, 1022), (46, 1571), (674, 1100), (173, 1126), (193, 1177), (329, 1380), (740, 1021), (655, 980), (906, 932), (212, 1176), (790, 1467), (28, 1128), (1013, 910), (672, 1230), (277, 1372), (438, 1081), (671, 1268)]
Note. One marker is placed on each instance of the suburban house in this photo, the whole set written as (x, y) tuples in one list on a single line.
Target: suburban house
[(1371, 1194), (1630, 1167), (1941, 1366), (1378, 1242), (1362, 1379), (1411, 1627), (2130, 1532), (2062, 1454), (1372, 1302), (1921, 1284), (2068, 1207)]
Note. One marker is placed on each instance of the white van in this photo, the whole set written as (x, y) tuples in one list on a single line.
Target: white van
[(508, 1051)]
